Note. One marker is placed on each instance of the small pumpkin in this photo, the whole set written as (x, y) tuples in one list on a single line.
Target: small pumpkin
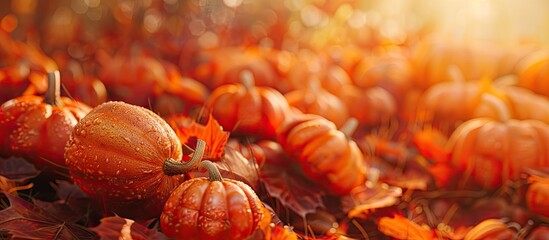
[(211, 208), (326, 155), (246, 109), (493, 152), (38, 128), (126, 158), (370, 106), (316, 100), (121, 72), (537, 195)]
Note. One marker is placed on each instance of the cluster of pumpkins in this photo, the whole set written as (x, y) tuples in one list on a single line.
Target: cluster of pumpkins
[(133, 125)]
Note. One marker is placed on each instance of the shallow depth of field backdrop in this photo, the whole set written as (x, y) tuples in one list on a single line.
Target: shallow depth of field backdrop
[(326, 119)]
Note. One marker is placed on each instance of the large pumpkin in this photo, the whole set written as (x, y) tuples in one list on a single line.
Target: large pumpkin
[(325, 154), (211, 208), (127, 158), (493, 152), (38, 128)]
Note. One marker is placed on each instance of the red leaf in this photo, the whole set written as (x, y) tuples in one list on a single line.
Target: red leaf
[(116, 228), (292, 189), (17, 169), (24, 220), (188, 131), (364, 200)]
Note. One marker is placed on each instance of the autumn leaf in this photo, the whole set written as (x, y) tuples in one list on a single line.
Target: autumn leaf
[(17, 169), (292, 189), (188, 131), (72, 206), (23, 220), (118, 228), (364, 200), (400, 227)]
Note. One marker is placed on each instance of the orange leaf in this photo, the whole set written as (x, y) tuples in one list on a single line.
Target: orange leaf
[(364, 200), (400, 227), (189, 130)]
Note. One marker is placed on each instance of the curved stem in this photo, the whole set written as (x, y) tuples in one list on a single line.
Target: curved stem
[(501, 109), (349, 127), (247, 79), (173, 167), (53, 92), (213, 172)]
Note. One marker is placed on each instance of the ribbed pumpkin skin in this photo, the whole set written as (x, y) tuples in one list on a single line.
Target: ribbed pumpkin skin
[(254, 110), (204, 209), (324, 153), (537, 198), (492, 152), (116, 155), (36, 130)]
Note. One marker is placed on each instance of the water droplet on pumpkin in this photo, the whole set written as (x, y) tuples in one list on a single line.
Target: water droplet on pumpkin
[(137, 149), (127, 139)]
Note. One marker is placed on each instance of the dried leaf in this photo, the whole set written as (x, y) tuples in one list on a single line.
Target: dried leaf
[(188, 131), (365, 199), (73, 204), (117, 228), (17, 169), (235, 166), (292, 189), (400, 227), (409, 179), (23, 220)]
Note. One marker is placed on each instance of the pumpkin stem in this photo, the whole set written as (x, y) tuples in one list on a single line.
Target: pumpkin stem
[(501, 110), (455, 73), (213, 172), (349, 127), (53, 93), (247, 79), (173, 167)]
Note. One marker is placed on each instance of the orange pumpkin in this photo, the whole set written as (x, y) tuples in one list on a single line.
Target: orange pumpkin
[(222, 66), (38, 128), (533, 71), (466, 100), (537, 195), (370, 106), (127, 158), (121, 72), (245, 109), (325, 154), (316, 100), (211, 208), (82, 87), (493, 152)]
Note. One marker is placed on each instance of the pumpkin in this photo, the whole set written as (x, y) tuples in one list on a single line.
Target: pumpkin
[(38, 128), (537, 196), (245, 109), (370, 106), (222, 66), (533, 70), (467, 100), (121, 72), (494, 152), (316, 100), (211, 208), (82, 87), (325, 154), (179, 95), (126, 157)]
